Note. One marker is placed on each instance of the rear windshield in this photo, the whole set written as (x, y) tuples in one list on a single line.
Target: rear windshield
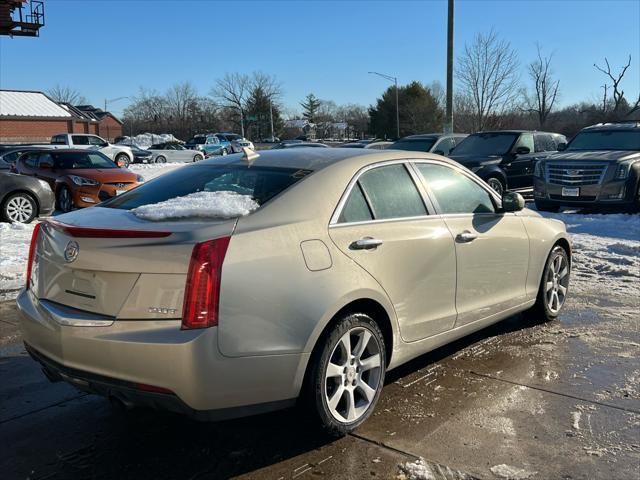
[(422, 145), (78, 160), (260, 183), (606, 140)]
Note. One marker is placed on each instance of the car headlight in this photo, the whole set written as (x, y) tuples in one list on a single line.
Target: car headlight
[(82, 181), (538, 170), (140, 178), (622, 171)]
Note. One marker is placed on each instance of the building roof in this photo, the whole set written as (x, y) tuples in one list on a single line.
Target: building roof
[(15, 103)]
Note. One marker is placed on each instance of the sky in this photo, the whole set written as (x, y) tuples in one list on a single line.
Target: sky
[(110, 49)]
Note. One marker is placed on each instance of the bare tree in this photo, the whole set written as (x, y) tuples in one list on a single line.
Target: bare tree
[(620, 106), (488, 78), (66, 94), (232, 91), (545, 88), (270, 86)]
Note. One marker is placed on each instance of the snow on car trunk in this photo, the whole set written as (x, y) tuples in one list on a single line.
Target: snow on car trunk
[(221, 204)]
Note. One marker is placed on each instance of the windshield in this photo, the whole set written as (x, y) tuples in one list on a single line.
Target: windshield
[(260, 183), (417, 145), (197, 140), (232, 137), (606, 140), (493, 143), (78, 160)]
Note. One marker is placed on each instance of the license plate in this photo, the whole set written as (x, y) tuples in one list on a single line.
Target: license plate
[(118, 192), (570, 192)]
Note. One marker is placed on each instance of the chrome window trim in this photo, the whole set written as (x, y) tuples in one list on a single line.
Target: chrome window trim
[(345, 195)]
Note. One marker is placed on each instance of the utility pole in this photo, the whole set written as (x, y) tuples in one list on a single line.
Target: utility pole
[(271, 117), (448, 123)]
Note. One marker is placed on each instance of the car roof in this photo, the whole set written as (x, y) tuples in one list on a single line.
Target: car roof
[(317, 158), (630, 125), (516, 131), (421, 136)]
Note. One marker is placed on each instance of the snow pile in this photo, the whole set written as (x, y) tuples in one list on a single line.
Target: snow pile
[(14, 251), (145, 140), (606, 251), (511, 473), (199, 205), (418, 470), (153, 170)]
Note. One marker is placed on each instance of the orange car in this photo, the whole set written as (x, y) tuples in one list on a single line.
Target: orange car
[(79, 178)]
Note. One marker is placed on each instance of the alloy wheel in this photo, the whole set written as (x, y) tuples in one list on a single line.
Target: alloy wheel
[(64, 199), (353, 375), (496, 185), (556, 283), (19, 209)]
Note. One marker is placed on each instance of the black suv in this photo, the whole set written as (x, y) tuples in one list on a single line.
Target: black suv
[(600, 167), (506, 158)]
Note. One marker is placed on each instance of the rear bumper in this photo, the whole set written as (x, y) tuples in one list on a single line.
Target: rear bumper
[(111, 360)]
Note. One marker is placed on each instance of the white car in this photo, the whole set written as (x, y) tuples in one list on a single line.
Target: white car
[(121, 154), (173, 152)]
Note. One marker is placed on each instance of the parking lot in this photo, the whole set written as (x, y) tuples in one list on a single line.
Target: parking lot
[(517, 400)]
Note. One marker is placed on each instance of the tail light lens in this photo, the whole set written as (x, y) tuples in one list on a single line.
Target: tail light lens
[(202, 291), (32, 251)]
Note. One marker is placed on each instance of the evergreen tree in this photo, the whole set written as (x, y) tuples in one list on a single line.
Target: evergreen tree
[(310, 107)]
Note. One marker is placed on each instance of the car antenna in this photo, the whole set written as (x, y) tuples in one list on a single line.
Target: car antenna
[(249, 155)]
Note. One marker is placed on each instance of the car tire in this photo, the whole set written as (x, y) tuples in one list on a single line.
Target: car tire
[(124, 158), (64, 201), (160, 159), (19, 207), (345, 379), (197, 158), (554, 281), (497, 184), (545, 207)]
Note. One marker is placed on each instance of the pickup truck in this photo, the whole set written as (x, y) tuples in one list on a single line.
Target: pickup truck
[(121, 154)]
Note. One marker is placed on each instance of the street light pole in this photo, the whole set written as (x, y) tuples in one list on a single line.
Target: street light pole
[(448, 124), (271, 117), (105, 109), (395, 82)]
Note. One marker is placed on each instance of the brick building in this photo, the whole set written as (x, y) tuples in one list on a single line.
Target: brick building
[(32, 117)]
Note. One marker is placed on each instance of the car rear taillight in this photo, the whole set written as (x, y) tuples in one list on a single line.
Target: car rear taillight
[(202, 291), (32, 251)]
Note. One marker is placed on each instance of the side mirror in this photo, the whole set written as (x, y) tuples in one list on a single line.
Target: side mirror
[(45, 165), (522, 150), (439, 152), (562, 146), (512, 202)]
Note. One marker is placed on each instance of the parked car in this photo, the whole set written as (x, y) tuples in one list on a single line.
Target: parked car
[(79, 178), (600, 167), (270, 140), (196, 142), (506, 158), (334, 266), (281, 145), (22, 198), (140, 155), (10, 155), (439, 143), (379, 145), (216, 145), (237, 142), (121, 154), (173, 152)]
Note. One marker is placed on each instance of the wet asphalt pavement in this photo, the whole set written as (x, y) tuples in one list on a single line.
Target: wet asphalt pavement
[(516, 400)]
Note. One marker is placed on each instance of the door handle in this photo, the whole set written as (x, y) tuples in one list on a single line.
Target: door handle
[(466, 237), (367, 243)]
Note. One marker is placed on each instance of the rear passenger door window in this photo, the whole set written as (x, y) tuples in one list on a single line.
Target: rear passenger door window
[(80, 140), (391, 193), (544, 142), (454, 192)]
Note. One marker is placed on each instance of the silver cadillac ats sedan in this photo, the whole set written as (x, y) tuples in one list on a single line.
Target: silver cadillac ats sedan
[(238, 285)]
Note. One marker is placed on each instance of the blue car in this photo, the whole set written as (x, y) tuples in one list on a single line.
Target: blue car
[(216, 145)]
